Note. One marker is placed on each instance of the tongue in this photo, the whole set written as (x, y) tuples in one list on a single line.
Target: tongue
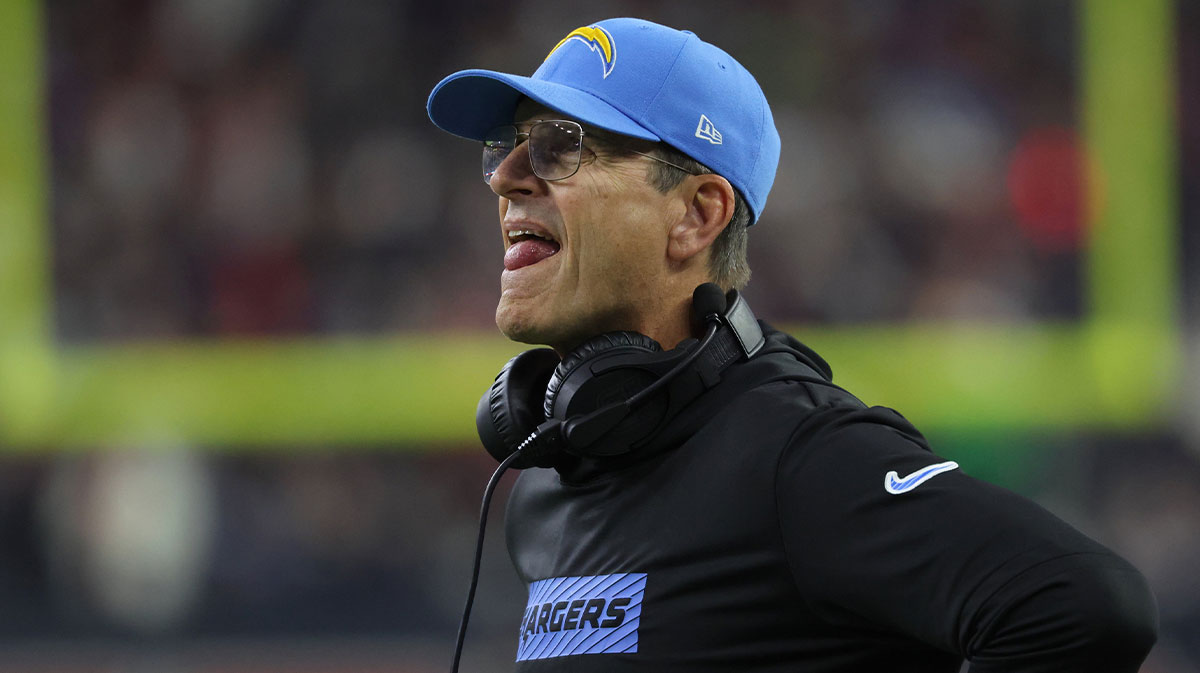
[(529, 251)]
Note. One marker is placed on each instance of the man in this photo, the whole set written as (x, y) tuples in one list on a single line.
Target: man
[(770, 521)]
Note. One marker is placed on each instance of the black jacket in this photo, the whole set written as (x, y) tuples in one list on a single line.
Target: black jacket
[(778, 524)]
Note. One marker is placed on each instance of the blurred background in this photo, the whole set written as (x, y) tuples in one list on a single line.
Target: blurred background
[(207, 201)]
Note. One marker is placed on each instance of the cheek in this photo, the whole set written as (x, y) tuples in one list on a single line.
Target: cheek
[(633, 229), (615, 259), (619, 233)]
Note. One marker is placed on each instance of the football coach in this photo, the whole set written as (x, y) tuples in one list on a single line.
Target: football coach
[(698, 494)]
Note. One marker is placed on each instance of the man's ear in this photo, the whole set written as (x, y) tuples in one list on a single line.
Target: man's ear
[(709, 203)]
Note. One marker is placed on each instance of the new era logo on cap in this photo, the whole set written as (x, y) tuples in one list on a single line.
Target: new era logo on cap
[(705, 130)]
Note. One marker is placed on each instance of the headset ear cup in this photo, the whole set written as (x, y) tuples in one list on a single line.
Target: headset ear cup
[(509, 411), (588, 350)]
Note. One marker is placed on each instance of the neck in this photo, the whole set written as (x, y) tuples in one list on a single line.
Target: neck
[(674, 325), (665, 317)]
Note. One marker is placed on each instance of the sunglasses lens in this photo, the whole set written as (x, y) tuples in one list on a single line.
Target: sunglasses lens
[(554, 149), (497, 146)]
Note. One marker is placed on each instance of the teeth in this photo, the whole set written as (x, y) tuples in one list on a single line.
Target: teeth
[(513, 235)]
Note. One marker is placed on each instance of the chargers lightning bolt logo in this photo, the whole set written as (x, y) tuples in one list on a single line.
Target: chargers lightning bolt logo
[(597, 39)]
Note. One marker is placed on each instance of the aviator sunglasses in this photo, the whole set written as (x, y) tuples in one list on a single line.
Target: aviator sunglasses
[(555, 149)]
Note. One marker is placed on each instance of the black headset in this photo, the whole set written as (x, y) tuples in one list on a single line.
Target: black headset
[(613, 393), (608, 397)]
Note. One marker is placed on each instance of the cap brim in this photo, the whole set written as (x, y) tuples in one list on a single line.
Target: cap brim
[(472, 102)]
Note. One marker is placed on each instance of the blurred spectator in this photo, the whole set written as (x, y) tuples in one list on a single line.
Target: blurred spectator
[(128, 536), (266, 167)]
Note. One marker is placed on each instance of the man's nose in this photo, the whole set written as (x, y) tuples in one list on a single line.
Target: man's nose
[(515, 173)]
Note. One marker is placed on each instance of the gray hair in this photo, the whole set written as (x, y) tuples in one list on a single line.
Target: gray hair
[(727, 264)]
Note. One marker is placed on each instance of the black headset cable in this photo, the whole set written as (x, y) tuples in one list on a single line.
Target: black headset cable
[(483, 512)]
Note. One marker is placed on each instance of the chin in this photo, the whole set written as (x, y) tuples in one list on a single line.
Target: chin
[(528, 330), (518, 327), (521, 334)]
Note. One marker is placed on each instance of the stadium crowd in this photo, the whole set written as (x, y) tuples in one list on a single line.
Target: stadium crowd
[(266, 168)]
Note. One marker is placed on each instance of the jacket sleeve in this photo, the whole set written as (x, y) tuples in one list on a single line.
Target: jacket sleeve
[(957, 563)]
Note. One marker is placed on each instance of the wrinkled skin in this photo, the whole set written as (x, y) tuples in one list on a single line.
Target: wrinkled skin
[(630, 255)]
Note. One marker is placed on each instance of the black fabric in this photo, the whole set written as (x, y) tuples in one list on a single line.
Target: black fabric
[(769, 543)]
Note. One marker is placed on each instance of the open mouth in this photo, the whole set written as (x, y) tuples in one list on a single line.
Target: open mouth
[(527, 247)]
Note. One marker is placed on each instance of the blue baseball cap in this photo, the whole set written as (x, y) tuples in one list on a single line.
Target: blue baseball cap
[(639, 79)]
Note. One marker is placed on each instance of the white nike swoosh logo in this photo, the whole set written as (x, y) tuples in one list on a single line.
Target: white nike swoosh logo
[(895, 484)]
